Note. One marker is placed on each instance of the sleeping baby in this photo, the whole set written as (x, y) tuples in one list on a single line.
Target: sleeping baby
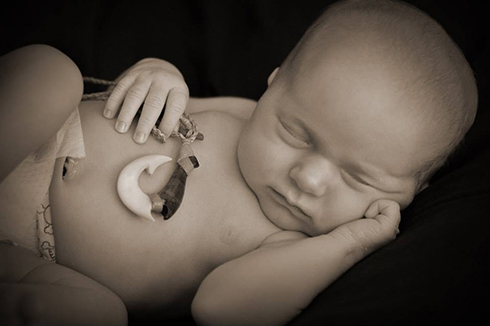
[(290, 192)]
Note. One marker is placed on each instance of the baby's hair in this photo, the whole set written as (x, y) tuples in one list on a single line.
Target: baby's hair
[(436, 78)]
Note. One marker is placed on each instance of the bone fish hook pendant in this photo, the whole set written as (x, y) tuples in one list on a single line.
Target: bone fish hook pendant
[(168, 200), (128, 188)]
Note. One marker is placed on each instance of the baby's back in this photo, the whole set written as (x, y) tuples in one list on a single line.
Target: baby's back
[(155, 266)]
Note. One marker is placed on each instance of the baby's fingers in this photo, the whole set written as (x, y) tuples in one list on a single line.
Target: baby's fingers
[(384, 207), (368, 234), (152, 108), (386, 213), (117, 96), (134, 98), (176, 104)]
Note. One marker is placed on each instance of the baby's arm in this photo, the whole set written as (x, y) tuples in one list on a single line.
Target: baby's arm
[(274, 283), (34, 291)]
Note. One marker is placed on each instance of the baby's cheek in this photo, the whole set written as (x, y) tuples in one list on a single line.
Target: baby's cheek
[(266, 148), (350, 207), (251, 154)]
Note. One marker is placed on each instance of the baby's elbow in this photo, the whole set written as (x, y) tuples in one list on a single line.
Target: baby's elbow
[(215, 310), (212, 310), (204, 312)]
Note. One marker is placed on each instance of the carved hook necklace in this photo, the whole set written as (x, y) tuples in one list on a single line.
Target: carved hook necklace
[(167, 201)]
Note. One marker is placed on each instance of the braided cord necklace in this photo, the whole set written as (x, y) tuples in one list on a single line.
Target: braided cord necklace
[(168, 200)]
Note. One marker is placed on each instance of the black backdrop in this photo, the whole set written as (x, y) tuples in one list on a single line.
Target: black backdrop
[(436, 271)]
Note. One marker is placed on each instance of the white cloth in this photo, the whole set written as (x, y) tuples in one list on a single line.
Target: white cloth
[(24, 194)]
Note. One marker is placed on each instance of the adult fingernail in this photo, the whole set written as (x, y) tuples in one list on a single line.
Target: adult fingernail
[(121, 126), (139, 137), (107, 113)]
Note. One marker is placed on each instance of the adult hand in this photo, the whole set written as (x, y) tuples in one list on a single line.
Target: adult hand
[(156, 84)]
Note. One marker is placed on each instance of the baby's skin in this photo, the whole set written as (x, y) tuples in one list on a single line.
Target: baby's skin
[(291, 192), (160, 265), (219, 254)]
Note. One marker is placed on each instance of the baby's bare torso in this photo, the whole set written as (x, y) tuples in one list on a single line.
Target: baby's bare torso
[(155, 266)]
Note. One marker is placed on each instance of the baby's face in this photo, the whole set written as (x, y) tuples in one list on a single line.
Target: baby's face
[(321, 146)]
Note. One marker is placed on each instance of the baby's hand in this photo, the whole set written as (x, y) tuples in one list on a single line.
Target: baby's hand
[(157, 83), (376, 230)]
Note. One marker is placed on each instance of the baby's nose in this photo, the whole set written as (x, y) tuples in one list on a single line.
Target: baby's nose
[(314, 175)]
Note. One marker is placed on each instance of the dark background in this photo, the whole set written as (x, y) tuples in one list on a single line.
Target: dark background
[(436, 271)]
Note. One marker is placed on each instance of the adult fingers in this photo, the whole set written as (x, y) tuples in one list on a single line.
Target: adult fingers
[(117, 96), (154, 103), (134, 98), (176, 103)]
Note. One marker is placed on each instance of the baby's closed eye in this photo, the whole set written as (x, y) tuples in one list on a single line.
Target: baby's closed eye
[(294, 135), (354, 178)]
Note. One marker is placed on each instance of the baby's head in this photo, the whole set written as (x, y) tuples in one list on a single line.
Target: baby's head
[(368, 105)]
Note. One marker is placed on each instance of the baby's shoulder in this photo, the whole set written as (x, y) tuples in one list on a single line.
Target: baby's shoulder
[(215, 123), (215, 117), (237, 107)]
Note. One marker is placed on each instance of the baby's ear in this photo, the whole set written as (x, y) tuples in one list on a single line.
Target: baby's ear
[(272, 76)]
